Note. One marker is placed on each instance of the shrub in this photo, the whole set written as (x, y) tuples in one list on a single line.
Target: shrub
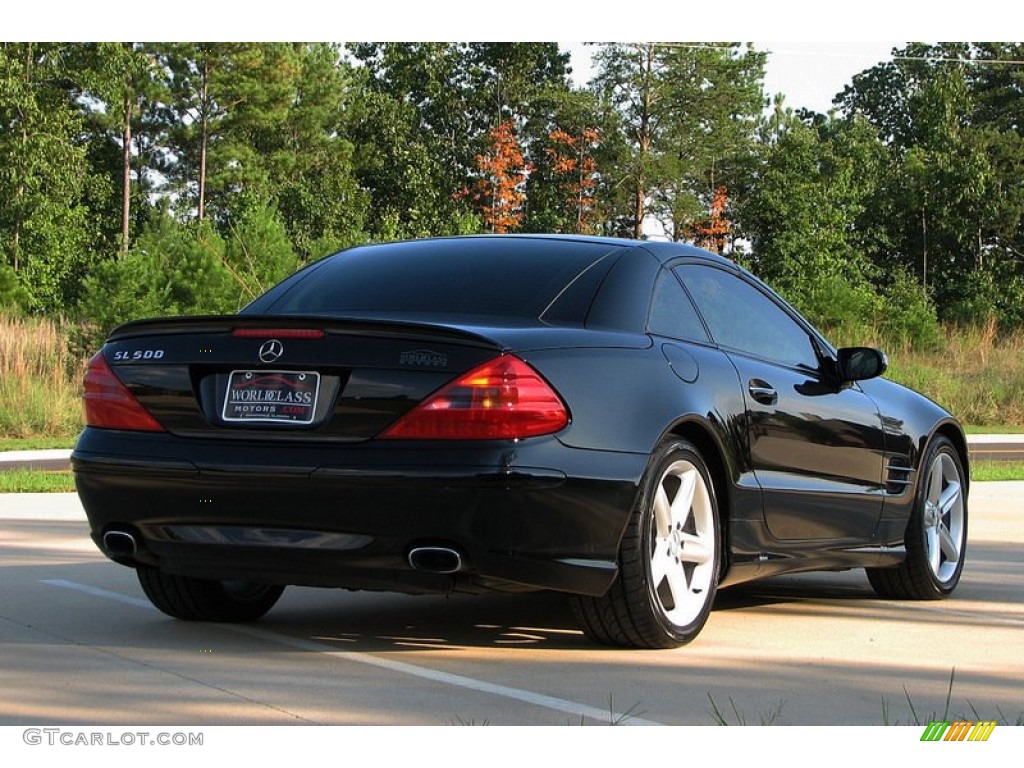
[(907, 316), (13, 297), (173, 269), (258, 253)]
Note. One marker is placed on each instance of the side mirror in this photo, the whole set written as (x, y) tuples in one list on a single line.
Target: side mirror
[(860, 363)]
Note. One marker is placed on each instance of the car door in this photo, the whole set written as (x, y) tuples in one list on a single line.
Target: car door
[(816, 447)]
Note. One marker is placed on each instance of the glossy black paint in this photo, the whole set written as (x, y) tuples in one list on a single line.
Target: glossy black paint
[(812, 471)]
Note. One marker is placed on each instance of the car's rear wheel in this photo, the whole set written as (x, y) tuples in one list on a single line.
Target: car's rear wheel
[(669, 559), (936, 538), (184, 597)]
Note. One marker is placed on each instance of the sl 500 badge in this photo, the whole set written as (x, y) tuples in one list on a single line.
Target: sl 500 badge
[(138, 354)]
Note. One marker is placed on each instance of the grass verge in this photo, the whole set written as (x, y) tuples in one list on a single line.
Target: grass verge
[(1002, 429), (990, 471), (36, 443), (35, 481)]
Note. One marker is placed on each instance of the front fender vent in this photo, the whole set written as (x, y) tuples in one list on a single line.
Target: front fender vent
[(899, 475)]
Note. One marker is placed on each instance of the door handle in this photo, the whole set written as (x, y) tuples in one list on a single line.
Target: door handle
[(763, 392)]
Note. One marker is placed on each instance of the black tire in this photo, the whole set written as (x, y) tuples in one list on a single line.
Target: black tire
[(667, 578), (184, 597), (936, 538)]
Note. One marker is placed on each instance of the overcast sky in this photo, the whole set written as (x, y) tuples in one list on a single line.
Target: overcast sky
[(811, 74)]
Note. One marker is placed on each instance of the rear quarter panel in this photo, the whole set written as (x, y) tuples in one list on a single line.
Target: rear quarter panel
[(629, 400)]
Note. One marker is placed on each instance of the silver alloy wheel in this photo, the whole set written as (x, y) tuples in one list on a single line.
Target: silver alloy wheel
[(943, 518), (684, 543)]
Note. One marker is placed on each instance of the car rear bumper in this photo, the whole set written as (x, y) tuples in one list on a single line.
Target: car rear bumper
[(533, 514)]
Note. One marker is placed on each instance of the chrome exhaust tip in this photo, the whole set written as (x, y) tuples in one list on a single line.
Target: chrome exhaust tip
[(442, 560), (120, 544)]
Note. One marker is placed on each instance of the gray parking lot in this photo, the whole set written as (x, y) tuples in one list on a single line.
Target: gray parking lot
[(81, 645)]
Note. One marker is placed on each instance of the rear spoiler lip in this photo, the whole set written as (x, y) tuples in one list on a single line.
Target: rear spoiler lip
[(333, 325)]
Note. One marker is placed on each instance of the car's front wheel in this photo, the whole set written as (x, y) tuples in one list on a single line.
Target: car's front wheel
[(185, 597), (936, 537), (669, 559)]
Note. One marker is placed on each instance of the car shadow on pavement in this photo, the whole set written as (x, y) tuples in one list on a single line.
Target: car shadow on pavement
[(369, 622)]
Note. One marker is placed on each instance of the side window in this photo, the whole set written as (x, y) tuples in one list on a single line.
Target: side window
[(743, 318), (672, 312)]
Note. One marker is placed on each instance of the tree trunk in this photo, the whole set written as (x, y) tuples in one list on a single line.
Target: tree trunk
[(126, 178), (643, 141), (924, 251), (203, 138), (19, 193)]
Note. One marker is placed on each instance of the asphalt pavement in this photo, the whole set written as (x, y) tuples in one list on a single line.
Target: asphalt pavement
[(82, 645)]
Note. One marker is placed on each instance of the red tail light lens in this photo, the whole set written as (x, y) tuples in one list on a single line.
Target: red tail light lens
[(503, 399), (109, 404)]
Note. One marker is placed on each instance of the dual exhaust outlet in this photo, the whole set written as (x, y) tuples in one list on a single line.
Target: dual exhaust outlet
[(121, 545)]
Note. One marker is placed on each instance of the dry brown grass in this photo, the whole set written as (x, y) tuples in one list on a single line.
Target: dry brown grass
[(977, 374), (39, 381)]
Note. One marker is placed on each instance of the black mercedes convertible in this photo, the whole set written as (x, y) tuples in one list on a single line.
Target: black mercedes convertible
[(632, 423)]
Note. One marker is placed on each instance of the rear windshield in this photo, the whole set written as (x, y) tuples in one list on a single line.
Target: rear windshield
[(471, 277)]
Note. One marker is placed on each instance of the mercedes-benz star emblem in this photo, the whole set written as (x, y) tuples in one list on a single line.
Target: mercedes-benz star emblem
[(271, 351)]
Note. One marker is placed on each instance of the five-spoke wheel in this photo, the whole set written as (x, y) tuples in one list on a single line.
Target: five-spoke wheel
[(936, 537), (683, 543), (669, 560), (944, 518)]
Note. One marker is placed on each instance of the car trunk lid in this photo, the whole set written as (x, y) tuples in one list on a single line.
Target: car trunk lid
[(283, 378)]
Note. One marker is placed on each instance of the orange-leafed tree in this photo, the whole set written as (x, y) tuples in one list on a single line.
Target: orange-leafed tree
[(711, 232), (572, 159), (500, 192)]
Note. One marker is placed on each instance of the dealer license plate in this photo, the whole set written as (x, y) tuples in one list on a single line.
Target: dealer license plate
[(287, 397)]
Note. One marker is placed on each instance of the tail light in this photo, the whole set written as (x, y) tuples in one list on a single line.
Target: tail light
[(503, 399), (109, 404)]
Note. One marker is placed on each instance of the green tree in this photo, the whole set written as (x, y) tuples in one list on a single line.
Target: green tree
[(632, 81), (715, 99), (514, 81), (953, 201), (414, 138), (687, 112), (308, 158), (13, 297), (122, 86), (44, 224), (567, 187), (226, 97), (812, 186), (258, 253), (172, 269), (427, 112)]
